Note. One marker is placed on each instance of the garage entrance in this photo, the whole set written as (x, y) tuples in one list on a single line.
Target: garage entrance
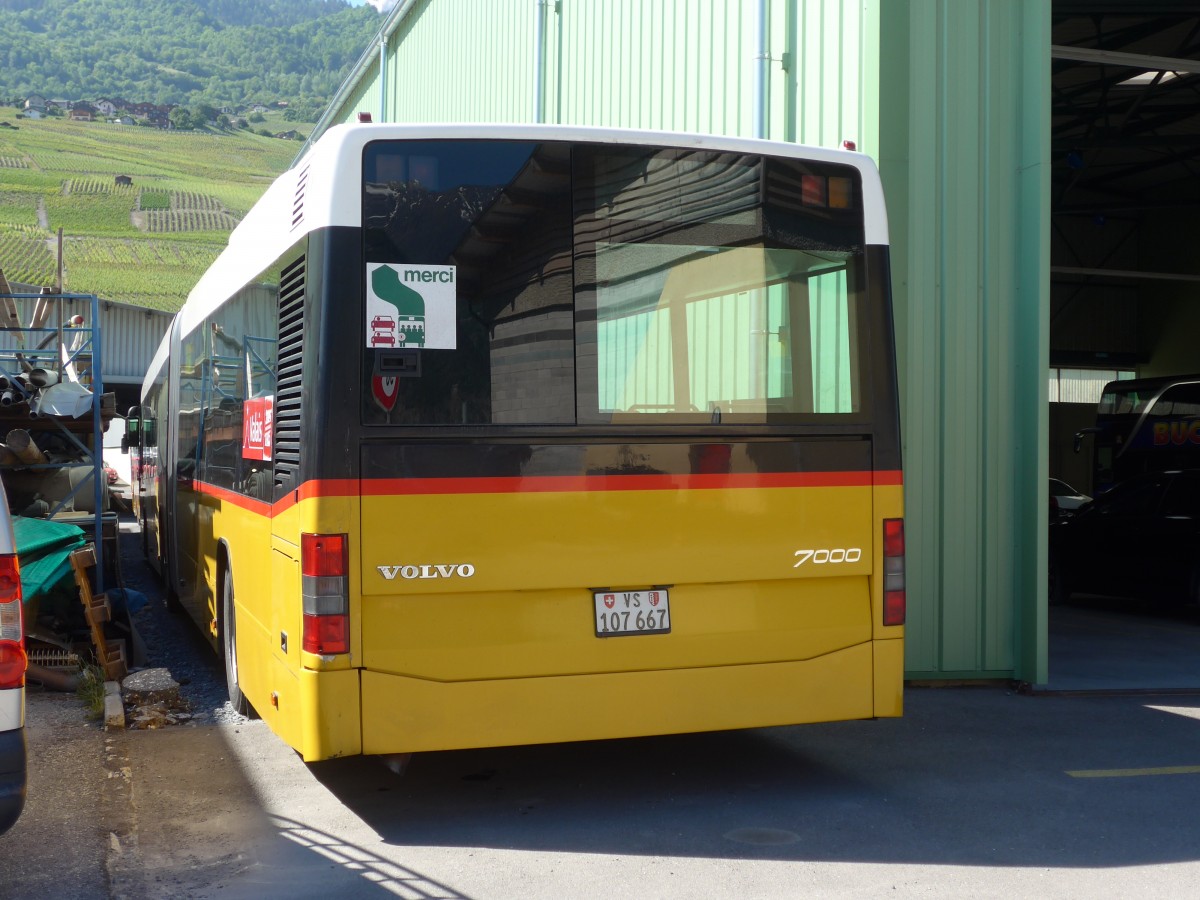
[(1124, 290)]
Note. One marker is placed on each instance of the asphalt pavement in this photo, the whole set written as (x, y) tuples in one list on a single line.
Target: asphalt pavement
[(976, 792)]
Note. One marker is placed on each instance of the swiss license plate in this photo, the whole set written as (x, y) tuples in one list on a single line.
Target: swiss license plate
[(632, 612)]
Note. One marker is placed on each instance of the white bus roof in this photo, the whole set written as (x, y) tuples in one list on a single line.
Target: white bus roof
[(324, 189)]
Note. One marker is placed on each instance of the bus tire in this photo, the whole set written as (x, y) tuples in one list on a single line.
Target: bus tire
[(171, 598), (237, 699)]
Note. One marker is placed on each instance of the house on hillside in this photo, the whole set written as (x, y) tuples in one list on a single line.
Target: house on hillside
[(151, 114), (82, 112), (106, 107), (35, 103), (123, 120), (160, 116)]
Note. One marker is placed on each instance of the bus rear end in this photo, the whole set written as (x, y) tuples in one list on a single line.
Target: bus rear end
[(623, 457), (566, 607)]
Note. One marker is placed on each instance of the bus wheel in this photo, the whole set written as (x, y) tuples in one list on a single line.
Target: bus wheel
[(229, 649), (171, 598)]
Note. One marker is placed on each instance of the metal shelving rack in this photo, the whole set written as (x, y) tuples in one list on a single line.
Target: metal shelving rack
[(48, 344)]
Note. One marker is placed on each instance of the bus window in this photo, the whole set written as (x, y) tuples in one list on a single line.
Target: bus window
[(1144, 425)]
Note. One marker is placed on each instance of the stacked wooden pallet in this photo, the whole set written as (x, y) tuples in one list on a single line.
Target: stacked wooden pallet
[(110, 654)]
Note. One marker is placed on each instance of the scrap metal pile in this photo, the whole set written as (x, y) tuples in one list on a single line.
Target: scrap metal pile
[(51, 423)]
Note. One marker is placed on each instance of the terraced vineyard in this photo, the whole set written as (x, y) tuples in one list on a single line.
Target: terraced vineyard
[(154, 200), (97, 186), (146, 243), (18, 208), (25, 255), (140, 271), (168, 220), (196, 201), (90, 213)]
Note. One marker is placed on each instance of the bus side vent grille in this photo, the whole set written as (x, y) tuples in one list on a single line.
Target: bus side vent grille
[(298, 202), (288, 386)]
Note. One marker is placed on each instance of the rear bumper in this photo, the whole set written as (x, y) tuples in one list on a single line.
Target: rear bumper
[(402, 714), (12, 776)]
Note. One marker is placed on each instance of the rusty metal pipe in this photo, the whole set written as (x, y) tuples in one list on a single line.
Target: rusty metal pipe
[(21, 443), (53, 679)]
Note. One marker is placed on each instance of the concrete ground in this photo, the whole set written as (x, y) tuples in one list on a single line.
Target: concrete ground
[(1106, 644), (1086, 789), (976, 792)]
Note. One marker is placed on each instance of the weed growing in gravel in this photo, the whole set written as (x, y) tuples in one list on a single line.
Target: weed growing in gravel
[(91, 689)]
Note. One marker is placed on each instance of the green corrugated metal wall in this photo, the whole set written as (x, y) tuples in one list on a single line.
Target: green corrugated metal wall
[(965, 93), (467, 60), (366, 94), (951, 98), (673, 64)]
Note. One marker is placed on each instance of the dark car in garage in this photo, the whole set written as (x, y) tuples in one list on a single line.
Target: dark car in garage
[(1139, 539)]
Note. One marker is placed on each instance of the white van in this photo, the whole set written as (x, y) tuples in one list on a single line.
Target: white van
[(12, 677)]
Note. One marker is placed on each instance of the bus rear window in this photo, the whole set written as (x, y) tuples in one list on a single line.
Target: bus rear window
[(721, 334), (539, 284)]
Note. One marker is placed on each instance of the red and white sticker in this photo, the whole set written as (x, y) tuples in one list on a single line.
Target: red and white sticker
[(384, 390), (258, 428)]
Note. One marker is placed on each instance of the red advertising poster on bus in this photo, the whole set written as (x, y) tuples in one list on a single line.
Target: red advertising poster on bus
[(258, 424)]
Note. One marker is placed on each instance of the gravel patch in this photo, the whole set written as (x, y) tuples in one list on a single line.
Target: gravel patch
[(172, 640)]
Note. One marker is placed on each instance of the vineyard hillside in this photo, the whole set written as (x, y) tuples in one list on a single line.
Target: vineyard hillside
[(144, 242)]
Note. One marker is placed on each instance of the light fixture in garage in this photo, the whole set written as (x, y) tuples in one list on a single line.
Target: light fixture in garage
[(1148, 78)]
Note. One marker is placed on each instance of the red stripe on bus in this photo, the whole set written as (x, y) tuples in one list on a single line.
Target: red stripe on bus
[(392, 487), (262, 507), (584, 483)]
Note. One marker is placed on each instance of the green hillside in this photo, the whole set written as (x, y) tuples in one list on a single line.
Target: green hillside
[(218, 52), (145, 243)]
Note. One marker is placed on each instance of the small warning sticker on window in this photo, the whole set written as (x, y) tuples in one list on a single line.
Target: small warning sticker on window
[(411, 306)]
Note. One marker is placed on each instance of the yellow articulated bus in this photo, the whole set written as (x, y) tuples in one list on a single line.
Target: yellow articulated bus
[(489, 435)]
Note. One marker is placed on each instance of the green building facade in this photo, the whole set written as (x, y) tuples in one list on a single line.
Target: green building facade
[(952, 101)]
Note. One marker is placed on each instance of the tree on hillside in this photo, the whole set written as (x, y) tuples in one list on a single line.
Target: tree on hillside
[(302, 112), (182, 118)]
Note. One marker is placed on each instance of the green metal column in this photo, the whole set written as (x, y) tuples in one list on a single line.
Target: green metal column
[(965, 144)]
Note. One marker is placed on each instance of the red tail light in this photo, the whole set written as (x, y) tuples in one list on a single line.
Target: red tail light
[(12, 632), (325, 589), (894, 597)]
